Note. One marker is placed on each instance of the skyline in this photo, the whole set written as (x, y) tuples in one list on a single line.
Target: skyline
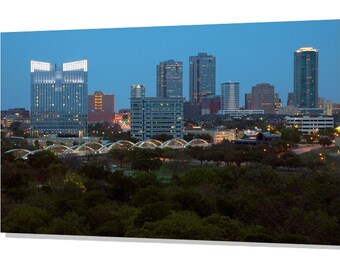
[(114, 67)]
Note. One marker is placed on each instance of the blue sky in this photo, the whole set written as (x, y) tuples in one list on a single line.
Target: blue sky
[(249, 53)]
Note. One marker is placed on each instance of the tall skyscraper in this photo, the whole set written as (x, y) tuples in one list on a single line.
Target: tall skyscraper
[(306, 77), (202, 76), (170, 79), (59, 99), (263, 98), (101, 107), (230, 92), (137, 91)]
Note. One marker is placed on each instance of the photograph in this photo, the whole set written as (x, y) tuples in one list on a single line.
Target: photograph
[(217, 134)]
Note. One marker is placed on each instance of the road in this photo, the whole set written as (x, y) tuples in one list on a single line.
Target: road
[(308, 148)]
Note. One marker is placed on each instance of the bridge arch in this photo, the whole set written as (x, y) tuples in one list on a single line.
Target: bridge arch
[(197, 142), (174, 144), (18, 153)]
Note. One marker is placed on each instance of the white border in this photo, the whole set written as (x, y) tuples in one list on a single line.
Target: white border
[(68, 253)]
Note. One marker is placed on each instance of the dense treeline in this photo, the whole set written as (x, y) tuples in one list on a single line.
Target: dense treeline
[(248, 202)]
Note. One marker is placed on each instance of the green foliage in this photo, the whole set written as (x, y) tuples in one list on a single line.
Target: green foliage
[(290, 134), (145, 159), (325, 141), (42, 159), (25, 219), (119, 155), (48, 143), (273, 197), (70, 224), (162, 137)]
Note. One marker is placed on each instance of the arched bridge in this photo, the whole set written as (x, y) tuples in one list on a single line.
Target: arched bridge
[(95, 148)]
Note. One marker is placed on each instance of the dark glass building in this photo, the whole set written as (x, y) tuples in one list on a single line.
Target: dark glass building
[(306, 78), (59, 99), (170, 79), (202, 76)]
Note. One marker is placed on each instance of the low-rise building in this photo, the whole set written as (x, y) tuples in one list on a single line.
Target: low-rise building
[(239, 113), (152, 116), (310, 124)]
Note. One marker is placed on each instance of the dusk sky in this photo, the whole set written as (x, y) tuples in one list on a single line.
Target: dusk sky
[(248, 53)]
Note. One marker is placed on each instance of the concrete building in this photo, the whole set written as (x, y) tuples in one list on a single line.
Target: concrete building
[(210, 105), (263, 98), (152, 116), (192, 110), (59, 100), (101, 107), (247, 101), (310, 124), (217, 135), (10, 116), (240, 113), (290, 99)]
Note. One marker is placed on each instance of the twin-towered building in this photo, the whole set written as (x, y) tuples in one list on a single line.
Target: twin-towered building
[(59, 99)]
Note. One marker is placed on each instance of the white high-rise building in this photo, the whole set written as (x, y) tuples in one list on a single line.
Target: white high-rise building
[(59, 99), (230, 93)]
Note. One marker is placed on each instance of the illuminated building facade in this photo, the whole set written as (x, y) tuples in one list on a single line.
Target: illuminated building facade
[(306, 78), (59, 99), (137, 91), (101, 107), (152, 116), (13, 115), (202, 76), (170, 79), (230, 92), (310, 124)]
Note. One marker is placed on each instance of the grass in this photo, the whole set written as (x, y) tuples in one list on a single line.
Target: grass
[(322, 155)]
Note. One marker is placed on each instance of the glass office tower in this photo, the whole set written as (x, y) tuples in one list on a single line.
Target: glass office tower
[(59, 99), (170, 79), (230, 92), (202, 76), (306, 78)]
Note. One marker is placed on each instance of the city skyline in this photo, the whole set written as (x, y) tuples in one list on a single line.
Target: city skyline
[(258, 53)]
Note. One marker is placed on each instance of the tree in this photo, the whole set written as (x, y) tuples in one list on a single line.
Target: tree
[(48, 143), (119, 154), (36, 143), (152, 212), (162, 137), (145, 159), (291, 134), (25, 219), (16, 129), (325, 141), (42, 159)]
